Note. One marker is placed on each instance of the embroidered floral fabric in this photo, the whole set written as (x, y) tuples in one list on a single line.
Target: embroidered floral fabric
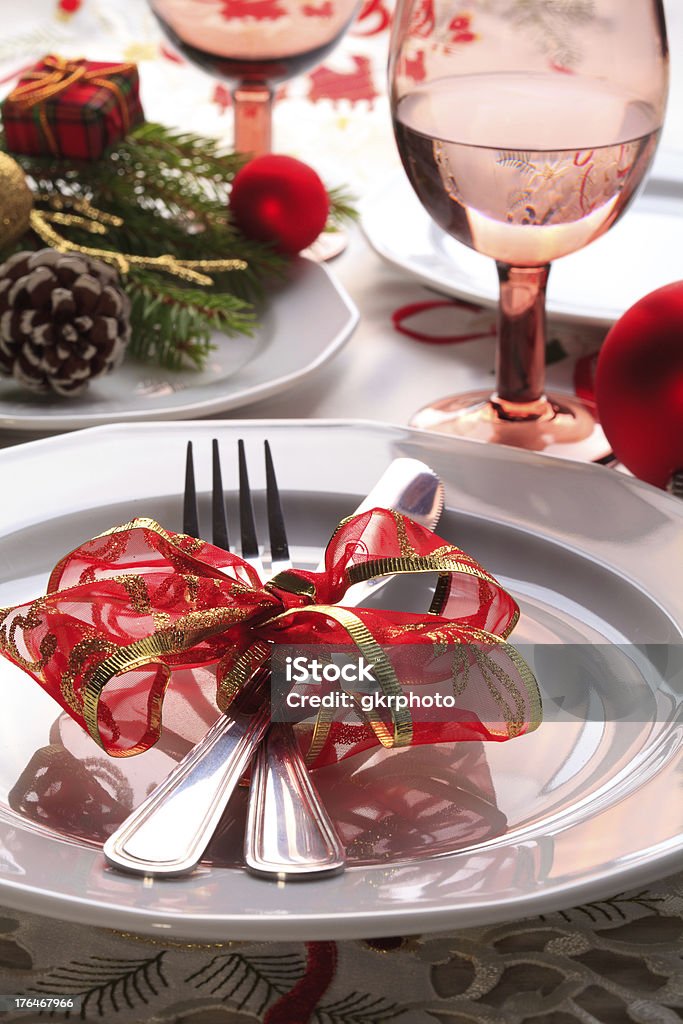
[(615, 961)]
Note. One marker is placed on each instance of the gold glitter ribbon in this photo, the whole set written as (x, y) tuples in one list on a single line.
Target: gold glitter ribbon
[(192, 271)]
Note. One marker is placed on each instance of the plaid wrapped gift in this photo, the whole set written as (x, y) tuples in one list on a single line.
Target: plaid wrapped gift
[(71, 108)]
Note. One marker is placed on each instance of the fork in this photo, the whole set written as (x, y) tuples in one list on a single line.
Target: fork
[(289, 833), (167, 834)]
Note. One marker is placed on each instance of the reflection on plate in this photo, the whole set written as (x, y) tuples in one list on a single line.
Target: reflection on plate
[(596, 285), (304, 324), (436, 836)]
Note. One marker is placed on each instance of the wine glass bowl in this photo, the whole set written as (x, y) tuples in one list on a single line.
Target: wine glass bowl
[(254, 45), (526, 137)]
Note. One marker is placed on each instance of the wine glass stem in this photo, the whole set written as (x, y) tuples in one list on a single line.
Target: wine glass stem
[(520, 361), (253, 105)]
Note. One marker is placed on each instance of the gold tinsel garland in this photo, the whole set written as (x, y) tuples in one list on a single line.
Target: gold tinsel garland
[(18, 214)]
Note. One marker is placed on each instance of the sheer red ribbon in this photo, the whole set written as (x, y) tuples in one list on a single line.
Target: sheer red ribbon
[(126, 610)]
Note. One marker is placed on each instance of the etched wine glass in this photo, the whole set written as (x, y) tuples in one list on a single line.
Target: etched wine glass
[(525, 128), (254, 45)]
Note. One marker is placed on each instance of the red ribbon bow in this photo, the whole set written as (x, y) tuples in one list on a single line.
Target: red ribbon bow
[(59, 74), (127, 609)]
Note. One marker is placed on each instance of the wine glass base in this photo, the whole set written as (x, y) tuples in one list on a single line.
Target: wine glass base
[(563, 425)]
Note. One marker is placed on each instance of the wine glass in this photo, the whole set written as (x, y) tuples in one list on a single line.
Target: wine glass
[(525, 128), (254, 45)]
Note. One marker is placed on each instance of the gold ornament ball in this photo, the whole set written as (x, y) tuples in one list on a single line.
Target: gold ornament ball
[(16, 201)]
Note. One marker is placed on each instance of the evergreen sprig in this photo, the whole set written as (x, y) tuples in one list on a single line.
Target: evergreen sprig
[(171, 190), (173, 325)]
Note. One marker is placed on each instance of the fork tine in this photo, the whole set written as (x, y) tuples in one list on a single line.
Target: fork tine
[(279, 548), (190, 514), (219, 519), (247, 524)]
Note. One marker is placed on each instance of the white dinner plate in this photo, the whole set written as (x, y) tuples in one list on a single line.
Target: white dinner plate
[(437, 836), (304, 322), (595, 285)]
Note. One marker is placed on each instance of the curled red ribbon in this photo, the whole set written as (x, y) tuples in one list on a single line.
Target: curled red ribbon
[(400, 317)]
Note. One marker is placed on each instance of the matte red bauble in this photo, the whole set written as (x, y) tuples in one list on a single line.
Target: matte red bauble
[(281, 200), (639, 386)]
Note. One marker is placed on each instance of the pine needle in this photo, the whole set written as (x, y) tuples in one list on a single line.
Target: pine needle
[(173, 325), (342, 207)]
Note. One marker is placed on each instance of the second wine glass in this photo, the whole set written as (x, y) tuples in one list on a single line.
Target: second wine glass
[(254, 45), (525, 133)]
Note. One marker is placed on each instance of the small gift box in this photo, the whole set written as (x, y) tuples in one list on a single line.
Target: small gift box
[(72, 108)]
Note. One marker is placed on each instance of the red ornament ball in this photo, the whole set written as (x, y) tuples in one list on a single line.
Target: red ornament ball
[(639, 386), (281, 200)]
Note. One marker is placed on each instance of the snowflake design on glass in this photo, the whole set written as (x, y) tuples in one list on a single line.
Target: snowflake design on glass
[(564, 187)]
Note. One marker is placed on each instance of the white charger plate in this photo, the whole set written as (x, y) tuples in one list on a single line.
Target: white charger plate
[(437, 837), (596, 285), (305, 321)]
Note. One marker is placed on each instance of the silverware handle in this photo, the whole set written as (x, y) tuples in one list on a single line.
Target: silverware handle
[(289, 833), (412, 488), (168, 833)]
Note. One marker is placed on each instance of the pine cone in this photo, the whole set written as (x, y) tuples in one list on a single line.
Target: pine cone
[(64, 320)]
